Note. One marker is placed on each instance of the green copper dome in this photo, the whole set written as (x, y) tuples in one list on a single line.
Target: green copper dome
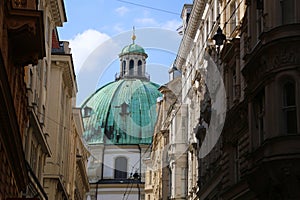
[(121, 112), (132, 48)]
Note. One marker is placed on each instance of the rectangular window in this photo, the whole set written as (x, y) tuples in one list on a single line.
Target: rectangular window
[(289, 108), (234, 83), (33, 157), (233, 16), (236, 164), (259, 111), (121, 168), (259, 16), (288, 11)]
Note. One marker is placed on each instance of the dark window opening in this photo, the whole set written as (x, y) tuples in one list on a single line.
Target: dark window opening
[(121, 168), (288, 11), (139, 67), (289, 108), (123, 67), (131, 66), (234, 83), (259, 112)]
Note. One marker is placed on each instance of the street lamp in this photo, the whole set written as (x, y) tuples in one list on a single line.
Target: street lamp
[(219, 38)]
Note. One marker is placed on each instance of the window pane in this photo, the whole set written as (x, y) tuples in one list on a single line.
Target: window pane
[(291, 121), (289, 94), (139, 67), (289, 106), (124, 67), (131, 65), (288, 14), (121, 168)]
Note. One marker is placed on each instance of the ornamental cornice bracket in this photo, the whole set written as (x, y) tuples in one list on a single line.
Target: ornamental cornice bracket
[(26, 41)]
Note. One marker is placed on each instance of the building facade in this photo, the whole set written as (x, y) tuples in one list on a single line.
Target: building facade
[(254, 156), (37, 75), (252, 153), (158, 183), (271, 73), (26, 98), (64, 174), (199, 23), (21, 27)]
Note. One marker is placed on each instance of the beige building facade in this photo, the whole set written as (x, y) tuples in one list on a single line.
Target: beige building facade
[(168, 152), (18, 174), (157, 163), (64, 176), (28, 98), (37, 77)]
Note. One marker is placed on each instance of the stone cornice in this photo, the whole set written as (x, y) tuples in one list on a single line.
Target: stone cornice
[(66, 63), (83, 173), (58, 12), (190, 32)]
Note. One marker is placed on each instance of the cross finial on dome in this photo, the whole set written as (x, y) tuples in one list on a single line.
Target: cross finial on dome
[(133, 35)]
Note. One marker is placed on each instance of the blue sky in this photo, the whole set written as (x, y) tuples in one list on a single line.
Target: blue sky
[(96, 28)]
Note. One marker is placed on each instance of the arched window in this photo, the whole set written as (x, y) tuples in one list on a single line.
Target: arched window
[(131, 66), (123, 67), (140, 67), (289, 107), (121, 168)]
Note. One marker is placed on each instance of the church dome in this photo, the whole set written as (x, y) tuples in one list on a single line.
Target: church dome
[(121, 112), (132, 48)]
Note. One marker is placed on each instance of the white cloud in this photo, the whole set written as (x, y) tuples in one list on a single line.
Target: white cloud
[(83, 44), (118, 28), (171, 25), (121, 10), (146, 21)]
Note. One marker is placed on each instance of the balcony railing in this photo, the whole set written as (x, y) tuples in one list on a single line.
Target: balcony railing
[(145, 76), (25, 28)]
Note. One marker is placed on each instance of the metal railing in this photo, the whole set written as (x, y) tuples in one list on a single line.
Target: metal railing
[(145, 76)]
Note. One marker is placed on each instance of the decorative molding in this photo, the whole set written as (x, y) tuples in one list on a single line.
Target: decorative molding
[(273, 60), (26, 35)]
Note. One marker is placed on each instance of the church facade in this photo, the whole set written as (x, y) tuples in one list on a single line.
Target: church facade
[(119, 120)]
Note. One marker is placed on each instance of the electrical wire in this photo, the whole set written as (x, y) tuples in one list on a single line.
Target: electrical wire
[(128, 184), (149, 7), (214, 24), (190, 72), (130, 190), (181, 91)]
